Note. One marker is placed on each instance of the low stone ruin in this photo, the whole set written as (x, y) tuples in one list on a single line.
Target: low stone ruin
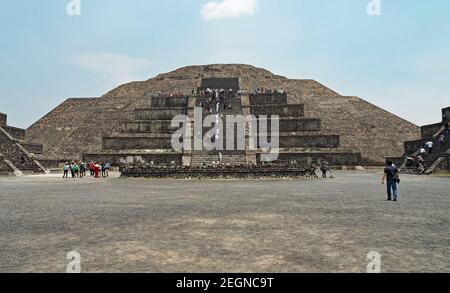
[(266, 171)]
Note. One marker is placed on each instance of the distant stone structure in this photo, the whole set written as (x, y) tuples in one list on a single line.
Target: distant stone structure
[(439, 159), (17, 155), (131, 124)]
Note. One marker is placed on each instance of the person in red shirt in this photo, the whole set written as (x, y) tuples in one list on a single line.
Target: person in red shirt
[(91, 168), (97, 169)]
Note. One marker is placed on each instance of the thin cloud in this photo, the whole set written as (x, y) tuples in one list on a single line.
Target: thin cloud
[(228, 9), (116, 68)]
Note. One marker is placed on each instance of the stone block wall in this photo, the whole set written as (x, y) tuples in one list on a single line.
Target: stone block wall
[(4, 168), (220, 83), (445, 165), (159, 113), (280, 110), (262, 99), (446, 113), (154, 126), (3, 119), (169, 102), (294, 125), (15, 132), (138, 143), (332, 159), (306, 141), (16, 155), (429, 130), (412, 146), (135, 159), (33, 148)]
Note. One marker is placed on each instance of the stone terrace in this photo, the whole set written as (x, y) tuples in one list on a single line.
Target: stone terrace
[(439, 160), (146, 138), (363, 128), (17, 155)]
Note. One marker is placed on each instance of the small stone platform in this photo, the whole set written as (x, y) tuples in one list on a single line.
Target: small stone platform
[(221, 171)]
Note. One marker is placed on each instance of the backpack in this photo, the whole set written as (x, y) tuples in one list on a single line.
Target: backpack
[(394, 174)]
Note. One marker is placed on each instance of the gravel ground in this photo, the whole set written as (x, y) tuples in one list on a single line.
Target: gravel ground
[(142, 225)]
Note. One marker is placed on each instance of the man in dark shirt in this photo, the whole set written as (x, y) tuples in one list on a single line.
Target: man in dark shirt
[(391, 175)]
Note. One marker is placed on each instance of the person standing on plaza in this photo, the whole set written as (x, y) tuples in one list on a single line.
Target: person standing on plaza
[(92, 168), (66, 170), (107, 167), (324, 170), (97, 169), (82, 169), (391, 175)]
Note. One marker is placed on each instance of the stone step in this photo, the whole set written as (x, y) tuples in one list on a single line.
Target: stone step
[(268, 99), (431, 169), (290, 110), (134, 157), (159, 113), (148, 126), (226, 159), (170, 102), (332, 159)]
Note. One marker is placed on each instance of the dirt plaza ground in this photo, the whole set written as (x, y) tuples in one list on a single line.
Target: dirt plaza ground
[(143, 225)]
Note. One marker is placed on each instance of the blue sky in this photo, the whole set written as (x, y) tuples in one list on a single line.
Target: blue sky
[(399, 60)]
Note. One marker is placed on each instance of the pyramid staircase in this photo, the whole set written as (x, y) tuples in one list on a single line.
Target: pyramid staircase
[(439, 159), (17, 155), (147, 138)]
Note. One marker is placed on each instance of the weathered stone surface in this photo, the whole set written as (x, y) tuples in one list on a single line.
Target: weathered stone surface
[(121, 159), (221, 171), (434, 160), (331, 159), (411, 147), (133, 142), (429, 130), (3, 119), (33, 148), (309, 141), (280, 110), (148, 126), (169, 102), (220, 83), (78, 125), (265, 99), (159, 113), (446, 114), (15, 132), (294, 124), (16, 154)]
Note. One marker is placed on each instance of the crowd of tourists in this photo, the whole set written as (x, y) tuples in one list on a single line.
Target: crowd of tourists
[(427, 149), (78, 170), (215, 99), (262, 91), (230, 92), (172, 94)]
